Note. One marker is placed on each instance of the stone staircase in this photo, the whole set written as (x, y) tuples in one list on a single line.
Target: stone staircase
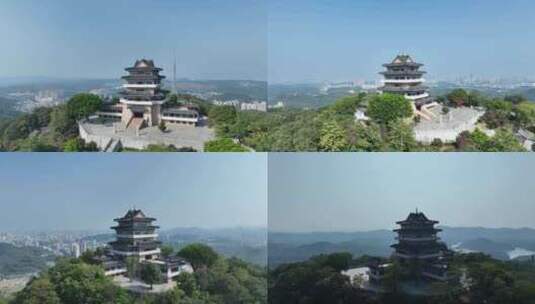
[(136, 123), (113, 145)]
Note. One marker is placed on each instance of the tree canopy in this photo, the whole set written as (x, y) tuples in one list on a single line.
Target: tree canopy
[(386, 108), (199, 255)]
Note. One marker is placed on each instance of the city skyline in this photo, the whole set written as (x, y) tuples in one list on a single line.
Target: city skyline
[(55, 192), (341, 192), (62, 39)]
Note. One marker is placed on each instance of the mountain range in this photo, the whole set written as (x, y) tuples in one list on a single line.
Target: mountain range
[(500, 243)]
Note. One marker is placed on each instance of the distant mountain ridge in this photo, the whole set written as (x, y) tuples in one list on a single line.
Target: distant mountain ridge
[(501, 243)]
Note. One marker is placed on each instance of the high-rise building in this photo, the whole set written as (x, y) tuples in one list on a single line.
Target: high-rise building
[(75, 249)]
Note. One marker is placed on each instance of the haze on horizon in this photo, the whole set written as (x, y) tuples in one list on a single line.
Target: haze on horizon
[(370, 191), (97, 39), (86, 192), (319, 40)]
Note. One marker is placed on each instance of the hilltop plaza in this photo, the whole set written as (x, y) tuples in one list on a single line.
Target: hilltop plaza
[(404, 76), (135, 120)]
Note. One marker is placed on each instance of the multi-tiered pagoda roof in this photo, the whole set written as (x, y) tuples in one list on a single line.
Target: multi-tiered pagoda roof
[(136, 235), (418, 240), (143, 83), (403, 76)]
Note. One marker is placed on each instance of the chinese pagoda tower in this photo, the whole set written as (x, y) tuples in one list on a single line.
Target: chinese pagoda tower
[(136, 236), (418, 244), (142, 96), (403, 76)]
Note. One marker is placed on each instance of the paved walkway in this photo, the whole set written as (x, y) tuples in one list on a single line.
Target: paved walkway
[(140, 287)]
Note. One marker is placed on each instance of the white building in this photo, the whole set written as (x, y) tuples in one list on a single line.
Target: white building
[(254, 106)]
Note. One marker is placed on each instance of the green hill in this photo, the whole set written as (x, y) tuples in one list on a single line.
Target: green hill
[(21, 260)]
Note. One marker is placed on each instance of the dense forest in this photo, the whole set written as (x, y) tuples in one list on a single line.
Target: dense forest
[(333, 128), (319, 280), (216, 280), (330, 128)]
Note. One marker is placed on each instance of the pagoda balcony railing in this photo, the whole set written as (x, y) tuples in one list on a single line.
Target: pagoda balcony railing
[(417, 229), (127, 99), (135, 248), (402, 73), (145, 227), (404, 88), (136, 252), (142, 97), (417, 238), (136, 231), (419, 96), (137, 235), (151, 77), (141, 85), (418, 255), (413, 80)]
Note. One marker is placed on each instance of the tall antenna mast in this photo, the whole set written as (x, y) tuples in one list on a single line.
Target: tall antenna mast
[(174, 73)]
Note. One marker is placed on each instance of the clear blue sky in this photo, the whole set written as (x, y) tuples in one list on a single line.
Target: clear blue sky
[(314, 40), (213, 39), (367, 191), (87, 191)]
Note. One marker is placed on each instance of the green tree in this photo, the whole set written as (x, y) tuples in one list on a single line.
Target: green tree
[(386, 108), (504, 141), (400, 137), (35, 144), (525, 114), (188, 284), (38, 291), (151, 274), (338, 261), (480, 140), (172, 100), (365, 138), (392, 278), (515, 98), (162, 126), (332, 137), (62, 123), (79, 145), (222, 115), (41, 116), (199, 255), (458, 97), (77, 282), (346, 105), (132, 267), (498, 113), (167, 251), (82, 105), (72, 145), (223, 145)]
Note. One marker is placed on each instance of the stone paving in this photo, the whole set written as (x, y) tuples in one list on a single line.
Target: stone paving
[(176, 135), (448, 126), (140, 287)]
